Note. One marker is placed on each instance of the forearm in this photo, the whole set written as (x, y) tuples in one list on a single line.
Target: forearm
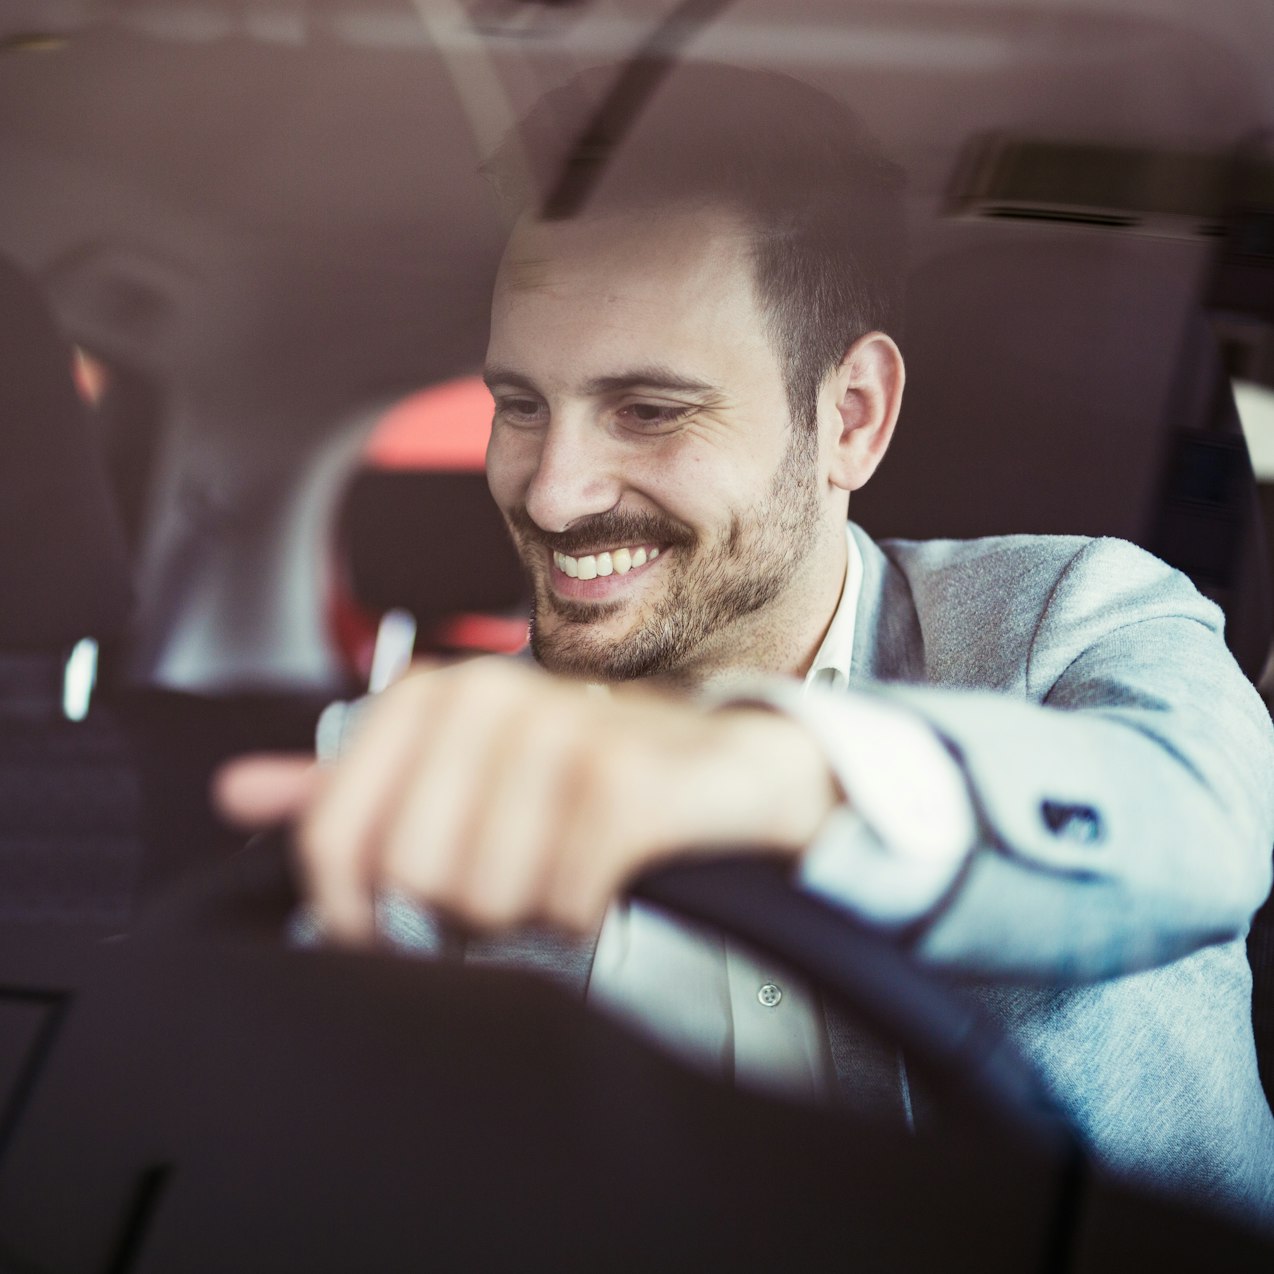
[(1099, 846)]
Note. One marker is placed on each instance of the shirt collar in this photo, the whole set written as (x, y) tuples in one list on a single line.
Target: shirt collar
[(830, 668)]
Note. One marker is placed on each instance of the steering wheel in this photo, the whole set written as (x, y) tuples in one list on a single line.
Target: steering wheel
[(213, 1099), (752, 900)]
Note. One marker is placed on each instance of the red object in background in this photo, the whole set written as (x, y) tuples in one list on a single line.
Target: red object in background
[(443, 428)]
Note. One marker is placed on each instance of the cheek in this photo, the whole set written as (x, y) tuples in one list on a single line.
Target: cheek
[(511, 462), (701, 491)]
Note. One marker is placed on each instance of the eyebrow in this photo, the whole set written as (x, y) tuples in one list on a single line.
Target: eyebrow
[(493, 376), (653, 377)]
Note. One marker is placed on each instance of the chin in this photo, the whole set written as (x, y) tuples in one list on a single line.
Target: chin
[(571, 650), (565, 650)]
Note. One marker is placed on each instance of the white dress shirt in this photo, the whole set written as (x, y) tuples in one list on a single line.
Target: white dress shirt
[(887, 855)]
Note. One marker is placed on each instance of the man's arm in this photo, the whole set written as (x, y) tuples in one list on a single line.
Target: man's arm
[(505, 796), (1122, 818), (1125, 803)]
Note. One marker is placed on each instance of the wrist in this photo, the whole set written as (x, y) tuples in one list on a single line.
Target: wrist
[(785, 786)]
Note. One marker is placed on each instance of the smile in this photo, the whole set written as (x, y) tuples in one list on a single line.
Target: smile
[(612, 562)]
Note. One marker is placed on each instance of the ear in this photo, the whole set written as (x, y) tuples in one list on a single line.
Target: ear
[(867, 393)]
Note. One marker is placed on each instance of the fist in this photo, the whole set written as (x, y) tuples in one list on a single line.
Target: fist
[(505, 796)]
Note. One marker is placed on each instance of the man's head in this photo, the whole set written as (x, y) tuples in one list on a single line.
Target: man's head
[(690, 376), (822, 204)]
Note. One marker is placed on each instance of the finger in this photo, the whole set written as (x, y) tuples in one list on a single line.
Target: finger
[(516, 827), (607, 833), (257, 791), (340, 835), (425, 848)]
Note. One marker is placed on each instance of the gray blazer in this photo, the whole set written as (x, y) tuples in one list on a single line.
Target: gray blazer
[(1125, 834), (1123, 771)]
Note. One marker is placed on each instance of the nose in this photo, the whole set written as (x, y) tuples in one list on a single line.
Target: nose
[(576, 475)]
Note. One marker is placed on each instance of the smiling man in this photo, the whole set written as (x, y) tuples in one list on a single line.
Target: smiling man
[(670, 529), (1031, 759)]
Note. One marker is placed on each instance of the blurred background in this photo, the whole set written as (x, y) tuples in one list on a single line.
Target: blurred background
[(261, 223)]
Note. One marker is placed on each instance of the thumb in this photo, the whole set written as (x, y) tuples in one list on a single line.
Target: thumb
[(262, 789)]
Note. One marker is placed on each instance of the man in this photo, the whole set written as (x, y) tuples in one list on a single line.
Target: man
[(1033, 759)]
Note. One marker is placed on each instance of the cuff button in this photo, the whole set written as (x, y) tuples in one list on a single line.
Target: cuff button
[(1080, 824)]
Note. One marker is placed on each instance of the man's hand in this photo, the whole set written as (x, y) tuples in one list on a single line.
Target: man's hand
[(506, 796)]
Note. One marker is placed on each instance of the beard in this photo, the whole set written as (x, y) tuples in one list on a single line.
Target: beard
[(709, 586)]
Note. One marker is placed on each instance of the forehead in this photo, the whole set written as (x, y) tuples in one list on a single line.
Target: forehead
[(675, 236), (668, 286)]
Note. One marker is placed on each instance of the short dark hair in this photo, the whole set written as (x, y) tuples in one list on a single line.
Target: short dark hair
[(824, 204)]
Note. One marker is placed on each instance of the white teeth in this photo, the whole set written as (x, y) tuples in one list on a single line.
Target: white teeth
[(614, 562)]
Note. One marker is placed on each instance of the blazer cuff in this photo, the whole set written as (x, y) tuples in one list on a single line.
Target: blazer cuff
[(892, 852)]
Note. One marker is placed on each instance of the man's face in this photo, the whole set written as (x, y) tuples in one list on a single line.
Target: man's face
[(642, 451)]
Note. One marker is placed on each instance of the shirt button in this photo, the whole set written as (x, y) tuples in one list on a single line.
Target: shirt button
[(769, 995)]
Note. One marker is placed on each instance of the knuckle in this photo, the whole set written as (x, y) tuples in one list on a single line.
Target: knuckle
[(409, 865), (491, 909), (413, 688), (578, 911), (318, 842), (602, 770)]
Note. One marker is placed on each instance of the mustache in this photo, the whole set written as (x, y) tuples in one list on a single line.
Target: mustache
[(603, 530)]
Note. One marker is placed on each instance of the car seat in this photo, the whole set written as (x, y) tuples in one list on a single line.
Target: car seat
[(69, 798), (68, 795)]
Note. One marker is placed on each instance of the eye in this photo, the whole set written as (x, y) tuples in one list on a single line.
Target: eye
[(520, 411), (652, 417)]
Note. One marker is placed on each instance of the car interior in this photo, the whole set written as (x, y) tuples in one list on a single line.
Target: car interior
[(246, 255)]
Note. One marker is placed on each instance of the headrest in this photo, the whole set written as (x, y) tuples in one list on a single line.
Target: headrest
[(431, 543), (64, 571)]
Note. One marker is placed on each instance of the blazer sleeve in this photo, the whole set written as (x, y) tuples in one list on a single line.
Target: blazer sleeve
[(1124, 804)]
